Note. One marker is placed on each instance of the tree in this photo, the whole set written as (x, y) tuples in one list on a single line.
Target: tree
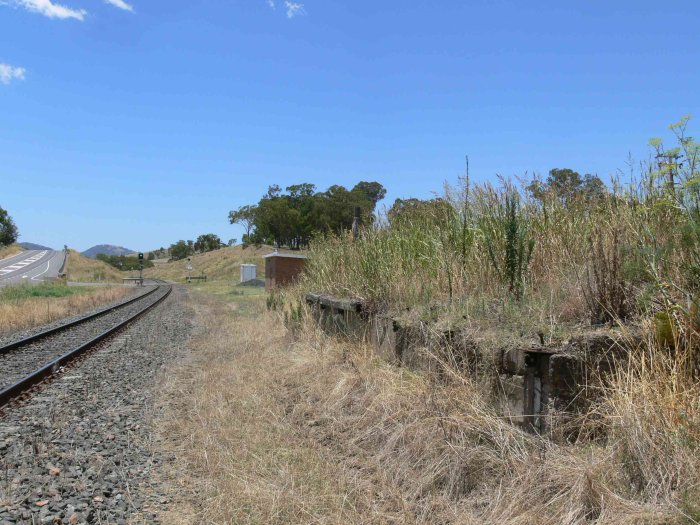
[(293, 216), (207, 243), (180, 250), (373, 190), (8, 229), (433, 211), (568, 186), (232, 242), (245, 216)]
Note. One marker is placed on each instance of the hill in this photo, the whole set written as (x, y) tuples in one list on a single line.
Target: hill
[(222, 264), (32, 246), (85, 269), (107, 249)]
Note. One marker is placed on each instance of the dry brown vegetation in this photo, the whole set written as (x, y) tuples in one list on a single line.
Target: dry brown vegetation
[(292, 426), (84, 269), (228, 422), (30, 312), (276, 428), (216, 265), (9, 251)]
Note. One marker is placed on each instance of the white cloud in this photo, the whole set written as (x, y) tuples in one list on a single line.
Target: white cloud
[(121, 4), (9, 73), (271, 3), (48, 8), (294, 9)]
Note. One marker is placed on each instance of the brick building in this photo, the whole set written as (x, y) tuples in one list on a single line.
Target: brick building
[(282, 269)]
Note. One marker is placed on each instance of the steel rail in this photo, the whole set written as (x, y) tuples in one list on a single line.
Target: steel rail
[(51, 331), (32, 379)]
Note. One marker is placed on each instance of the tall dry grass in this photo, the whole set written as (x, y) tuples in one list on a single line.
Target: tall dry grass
[(309, 429), (9, 251), (296, 427), (447, 257), (630, 254), (228, 422), (615, 253)]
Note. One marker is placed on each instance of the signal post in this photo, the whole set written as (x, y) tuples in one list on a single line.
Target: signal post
[(140, 269)]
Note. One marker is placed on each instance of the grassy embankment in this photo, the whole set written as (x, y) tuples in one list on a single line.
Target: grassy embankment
[(502, 264), (9, 251), (27, 306), (271, 427), (286, 426), (223, 264), (85, 269)]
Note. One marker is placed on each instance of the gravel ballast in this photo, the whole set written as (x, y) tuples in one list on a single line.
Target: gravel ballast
[(20, 362), (81, 448)]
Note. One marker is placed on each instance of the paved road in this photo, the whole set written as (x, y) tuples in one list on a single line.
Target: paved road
[(32, 266)]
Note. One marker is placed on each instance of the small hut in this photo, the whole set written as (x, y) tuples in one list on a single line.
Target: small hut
[(282, 269)]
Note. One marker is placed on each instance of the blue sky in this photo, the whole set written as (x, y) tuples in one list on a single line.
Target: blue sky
[(142, 122)]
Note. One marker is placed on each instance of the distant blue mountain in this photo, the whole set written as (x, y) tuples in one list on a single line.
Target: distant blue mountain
[(32, 246), (107, 249)]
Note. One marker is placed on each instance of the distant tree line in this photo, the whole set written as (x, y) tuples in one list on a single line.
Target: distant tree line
[(123, 262), (291, 217), (563, 184), (8, 229), (568, 186), (205, 243)]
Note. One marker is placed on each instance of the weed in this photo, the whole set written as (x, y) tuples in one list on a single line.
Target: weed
[(606, 291), (516, 251)]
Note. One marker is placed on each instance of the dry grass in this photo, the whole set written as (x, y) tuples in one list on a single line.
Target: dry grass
[(223, 264), (9, 251), (84, 269), (230, 421), (312, 430), (31, 312)]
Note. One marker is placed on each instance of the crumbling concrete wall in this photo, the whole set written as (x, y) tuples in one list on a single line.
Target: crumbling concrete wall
[(530, 382)]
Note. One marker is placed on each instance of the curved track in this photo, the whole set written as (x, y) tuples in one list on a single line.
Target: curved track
[(26, 362)]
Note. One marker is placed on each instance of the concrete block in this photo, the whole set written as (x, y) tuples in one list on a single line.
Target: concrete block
[(383, 336), (511, 392), (513, 361)]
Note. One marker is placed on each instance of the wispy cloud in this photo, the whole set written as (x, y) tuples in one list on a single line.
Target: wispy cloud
[(48, 8), (9, 73), (271, 3), (121, 4), (294, 9)]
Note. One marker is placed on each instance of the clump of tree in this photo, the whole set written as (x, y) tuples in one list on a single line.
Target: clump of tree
[(567, 186), (411, 210), (181, 249), (205, 243), (291, 217), (8, 229), (208, 243), (123, 262)]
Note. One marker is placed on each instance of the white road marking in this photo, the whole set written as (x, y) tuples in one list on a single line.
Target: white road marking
[(48, 265), (22, 264), (10, 257)]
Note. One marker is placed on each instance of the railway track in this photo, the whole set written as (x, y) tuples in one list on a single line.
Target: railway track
[(26, 362)]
